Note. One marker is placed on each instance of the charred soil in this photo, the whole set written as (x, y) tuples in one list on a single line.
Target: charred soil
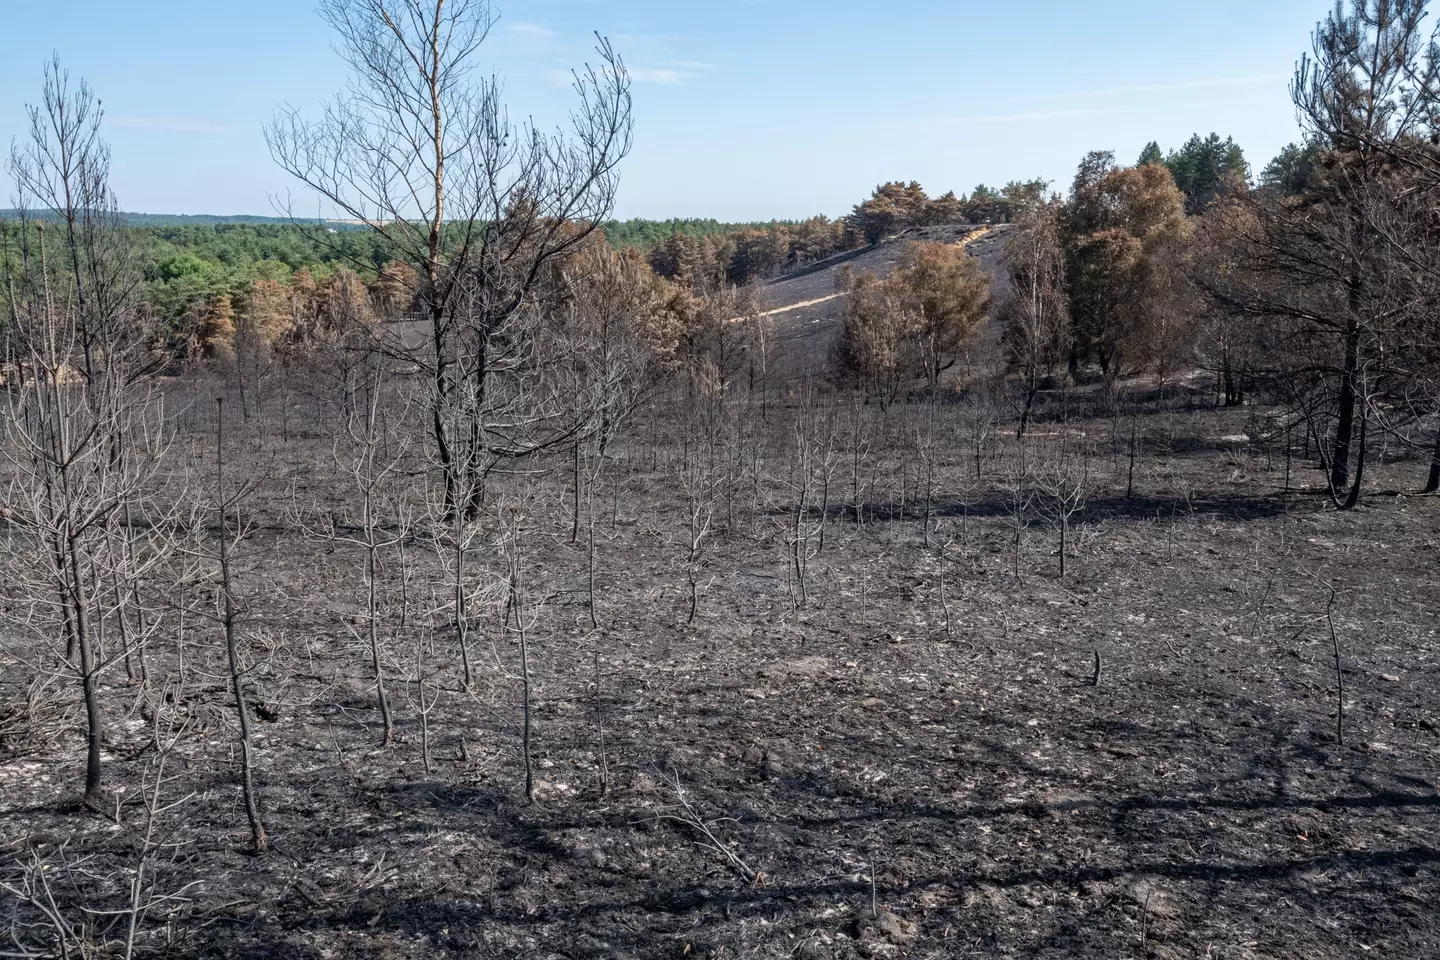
[(947, 751)]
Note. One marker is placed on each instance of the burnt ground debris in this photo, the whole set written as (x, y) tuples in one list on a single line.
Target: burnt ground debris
[(1193, 803)]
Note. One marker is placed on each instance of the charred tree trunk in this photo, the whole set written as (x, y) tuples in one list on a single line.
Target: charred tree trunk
[(89, 674), (1032, 389), (1354, 496), (228, 620), (1234, 385), (1345, 424), (1432, 484)]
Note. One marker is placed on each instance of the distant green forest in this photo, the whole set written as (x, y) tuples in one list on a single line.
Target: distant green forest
[(622, 233), (192, 219), (651, 233), (188, 259)]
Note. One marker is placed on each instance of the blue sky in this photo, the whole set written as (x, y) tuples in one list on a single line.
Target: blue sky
[(744, 109)]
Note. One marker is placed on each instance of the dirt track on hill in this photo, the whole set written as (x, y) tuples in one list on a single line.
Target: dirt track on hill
[(805, 303), (974, 236)]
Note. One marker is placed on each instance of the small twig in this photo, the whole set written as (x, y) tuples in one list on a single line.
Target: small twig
[(604, 770), (1339, 671), (693, 820), (945, 604), (874, 900), (339, 751)]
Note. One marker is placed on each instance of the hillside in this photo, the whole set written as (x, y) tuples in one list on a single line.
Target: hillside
[(806, 306)]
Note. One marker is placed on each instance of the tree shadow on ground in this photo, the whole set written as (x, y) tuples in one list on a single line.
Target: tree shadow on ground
[(533, 891), (1110, 507)]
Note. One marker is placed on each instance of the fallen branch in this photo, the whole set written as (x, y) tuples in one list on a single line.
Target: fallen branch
[(694, 821)]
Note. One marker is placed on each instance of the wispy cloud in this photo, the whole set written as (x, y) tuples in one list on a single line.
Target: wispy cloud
[(1050, 113), (529, 30), (651, 40), (661, 58), (693, 66), (525, 38), (671, 73), (657, 75), (558, 76), (168, 124), (1210, 84), (649, 58), (1034, 116)]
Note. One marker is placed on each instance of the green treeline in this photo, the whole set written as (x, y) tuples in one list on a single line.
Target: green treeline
[(194, 260), (187, 260)]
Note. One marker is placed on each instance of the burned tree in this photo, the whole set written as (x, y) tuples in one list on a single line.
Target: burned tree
[(1338, 279), (83, 426), (423, 151), (1036, 315)]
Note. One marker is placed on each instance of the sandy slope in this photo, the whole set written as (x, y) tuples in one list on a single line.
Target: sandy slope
[(806, 306)]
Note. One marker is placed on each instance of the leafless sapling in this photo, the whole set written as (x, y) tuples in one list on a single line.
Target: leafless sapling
[(1019, 501), (224, 502), (813, 462), (1063, 480), (83, 424), (424, 153), (373, 454)]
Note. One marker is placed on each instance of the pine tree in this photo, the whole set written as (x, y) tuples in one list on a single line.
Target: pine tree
[(1293, 169), (893, 207), (945, 209), (1204, 167), (949, 294), (268, 314), (1121, 227), (393, 291), (216, 333)]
